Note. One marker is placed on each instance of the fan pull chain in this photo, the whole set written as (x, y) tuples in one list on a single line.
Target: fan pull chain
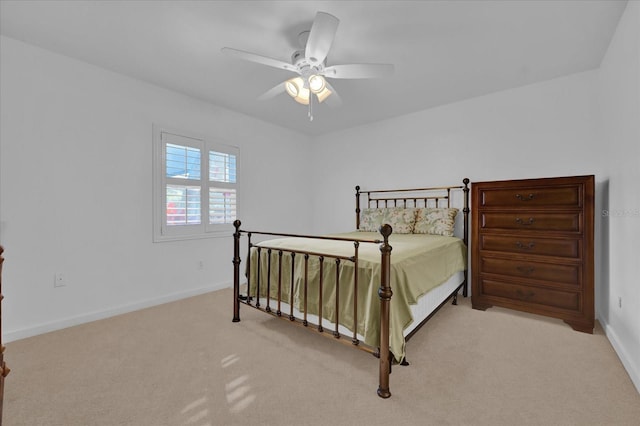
[(310, 108)]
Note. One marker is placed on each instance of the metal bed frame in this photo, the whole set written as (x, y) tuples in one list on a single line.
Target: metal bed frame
[(405, 198)]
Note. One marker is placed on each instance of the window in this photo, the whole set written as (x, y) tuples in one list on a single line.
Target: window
[(195, 186)]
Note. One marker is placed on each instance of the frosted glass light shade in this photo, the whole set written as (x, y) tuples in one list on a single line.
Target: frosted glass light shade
[(295, 87), (316, 83)]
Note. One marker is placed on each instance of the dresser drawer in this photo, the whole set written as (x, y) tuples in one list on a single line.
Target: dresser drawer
[(551, 272), (534, 196), (565, 247), (536, 295), (540, 221)]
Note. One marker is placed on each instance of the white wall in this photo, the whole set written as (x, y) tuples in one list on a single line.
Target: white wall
[(546, 129), (76, 190), (620, 103)]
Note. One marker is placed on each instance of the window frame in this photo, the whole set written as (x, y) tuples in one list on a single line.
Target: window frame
[(162, 231)]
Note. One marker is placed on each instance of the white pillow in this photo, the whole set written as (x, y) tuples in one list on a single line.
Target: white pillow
[(402, 220), (435, 221)]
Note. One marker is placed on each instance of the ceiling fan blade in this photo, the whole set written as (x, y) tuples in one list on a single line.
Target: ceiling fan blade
[(321, 37), (359, 71), (247, 56), (333, 100), (273, 92)]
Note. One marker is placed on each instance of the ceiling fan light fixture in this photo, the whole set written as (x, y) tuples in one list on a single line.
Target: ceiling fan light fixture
[(316, 83), (323, 94), (303, 97), (295, 88)]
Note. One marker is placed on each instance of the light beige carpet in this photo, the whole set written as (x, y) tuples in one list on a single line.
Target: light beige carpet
[(186, 363)]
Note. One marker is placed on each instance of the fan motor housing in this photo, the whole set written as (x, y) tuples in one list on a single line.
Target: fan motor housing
[(304, 65), (298, 56)]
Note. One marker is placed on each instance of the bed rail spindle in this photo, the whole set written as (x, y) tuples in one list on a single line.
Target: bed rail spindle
[(306, 279), (268, 308), (293, 264), (249, 245), (236, 272), (258, 278), (385, 293), (279, 312), (336, 332), (320, 329)]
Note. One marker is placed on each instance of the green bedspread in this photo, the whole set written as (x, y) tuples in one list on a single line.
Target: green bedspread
[(419, 263)]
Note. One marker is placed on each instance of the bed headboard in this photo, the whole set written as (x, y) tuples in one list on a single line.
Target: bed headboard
[(416, 197)]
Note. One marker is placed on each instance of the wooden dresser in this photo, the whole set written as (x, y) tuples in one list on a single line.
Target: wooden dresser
[(532, 247), (4, 370)]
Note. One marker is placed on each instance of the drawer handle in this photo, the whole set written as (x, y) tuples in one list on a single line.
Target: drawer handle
[(522, 294), (527, 270), (528, 198), (525, 246), (523, 223)]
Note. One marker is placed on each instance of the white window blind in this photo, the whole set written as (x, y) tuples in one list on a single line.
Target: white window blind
[(180, 209), (222, 192)]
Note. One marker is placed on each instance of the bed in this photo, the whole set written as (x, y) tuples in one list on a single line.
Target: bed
[(350, 286)]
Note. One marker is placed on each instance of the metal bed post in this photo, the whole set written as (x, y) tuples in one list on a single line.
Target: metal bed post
[(357, 207), (236, 272), (385, 293), (465, 235)]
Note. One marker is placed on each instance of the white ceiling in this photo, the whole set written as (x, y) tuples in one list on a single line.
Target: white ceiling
[(443, 51)]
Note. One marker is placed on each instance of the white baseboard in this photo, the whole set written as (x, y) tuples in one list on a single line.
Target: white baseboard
[(629, 363), (23, 333)]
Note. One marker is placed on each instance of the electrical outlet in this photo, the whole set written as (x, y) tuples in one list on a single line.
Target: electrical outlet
[(200, 265), (60, 280), (619, 302)]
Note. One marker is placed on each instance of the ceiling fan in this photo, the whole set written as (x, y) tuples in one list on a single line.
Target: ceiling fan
[(310, 65)]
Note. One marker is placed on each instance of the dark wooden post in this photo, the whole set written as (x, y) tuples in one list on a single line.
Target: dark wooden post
[(357, 207), (465, 235), (385, 293), (4, 370), (236, 271)]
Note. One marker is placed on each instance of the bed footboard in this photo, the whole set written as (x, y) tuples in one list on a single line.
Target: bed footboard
[(384, 291)]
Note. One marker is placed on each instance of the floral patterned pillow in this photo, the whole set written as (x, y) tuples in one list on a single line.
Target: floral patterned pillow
[(435, 221), (401, 220)]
